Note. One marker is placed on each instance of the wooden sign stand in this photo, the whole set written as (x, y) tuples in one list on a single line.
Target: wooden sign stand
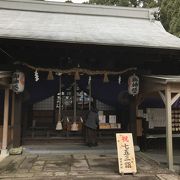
[(126, 155)]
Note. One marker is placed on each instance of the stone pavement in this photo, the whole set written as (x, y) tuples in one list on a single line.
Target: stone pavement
[(79, 166), (160, 156)]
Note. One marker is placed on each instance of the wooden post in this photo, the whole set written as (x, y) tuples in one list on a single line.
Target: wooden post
[(75, 99), (5, 124), (169, 128), (12, 115), (17, 120), (132, 119)]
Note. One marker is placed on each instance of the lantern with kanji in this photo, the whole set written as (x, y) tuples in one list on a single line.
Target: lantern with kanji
[(18, 81), (133, 85)]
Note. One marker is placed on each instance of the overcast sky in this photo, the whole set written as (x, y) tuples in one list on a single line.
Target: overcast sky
[(75, 1)]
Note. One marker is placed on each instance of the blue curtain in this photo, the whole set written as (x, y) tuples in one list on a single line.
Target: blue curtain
[(108, 93), (104, 92)]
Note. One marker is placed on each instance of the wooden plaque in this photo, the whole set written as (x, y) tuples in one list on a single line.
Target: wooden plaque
[(126, 155)]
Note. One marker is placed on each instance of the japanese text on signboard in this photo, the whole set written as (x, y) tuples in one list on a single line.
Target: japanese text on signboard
[(126, 157)]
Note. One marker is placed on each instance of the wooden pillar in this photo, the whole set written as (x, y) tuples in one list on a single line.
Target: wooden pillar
[(4, 151), (17, 121), (169, 146), (12, 115), (75, 99), (132, 119), (24, 125)]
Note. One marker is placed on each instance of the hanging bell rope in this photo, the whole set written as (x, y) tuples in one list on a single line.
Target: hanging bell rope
[(90, 92), (59, 123), (79, 70), (74, 126)]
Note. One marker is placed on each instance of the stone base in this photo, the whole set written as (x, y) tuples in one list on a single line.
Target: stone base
[(16, 151), (4, 154), (136, 148)]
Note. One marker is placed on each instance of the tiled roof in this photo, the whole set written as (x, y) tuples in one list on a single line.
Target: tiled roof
[(87, 24)]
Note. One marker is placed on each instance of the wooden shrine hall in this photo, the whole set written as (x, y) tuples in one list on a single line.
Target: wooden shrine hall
[(95, 49)]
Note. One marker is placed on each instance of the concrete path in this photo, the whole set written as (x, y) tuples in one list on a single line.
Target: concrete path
[(78, 166), (160, 156)]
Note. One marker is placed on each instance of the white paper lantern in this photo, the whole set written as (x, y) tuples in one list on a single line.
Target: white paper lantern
[(133, 85), (18, 82)]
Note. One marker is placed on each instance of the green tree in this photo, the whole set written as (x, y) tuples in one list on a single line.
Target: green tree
[(169, 10), (131, 3), (170, 16), (110, 2), (68, 1), (151, 3)]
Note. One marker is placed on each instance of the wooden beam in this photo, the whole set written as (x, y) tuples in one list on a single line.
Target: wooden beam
[(169, 146), (5, 82), (4, 76), (175, 87), (149, 87), (175, 98), (162, 96), (155, 80), (5, 124)]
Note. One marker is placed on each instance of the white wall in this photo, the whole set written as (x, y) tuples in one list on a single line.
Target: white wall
[(47, 104)]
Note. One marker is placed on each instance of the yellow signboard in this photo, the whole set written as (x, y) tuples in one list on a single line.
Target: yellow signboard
[(126, 155)]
